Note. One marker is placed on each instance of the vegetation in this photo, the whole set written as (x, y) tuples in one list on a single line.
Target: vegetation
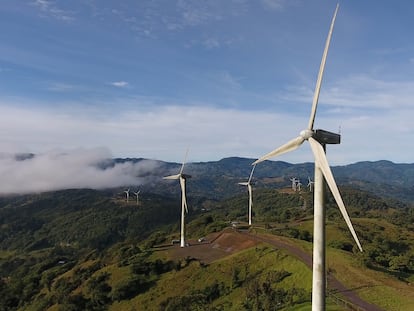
[(89, 250)]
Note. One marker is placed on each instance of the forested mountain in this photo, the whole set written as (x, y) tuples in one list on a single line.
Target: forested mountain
[(218, 179)]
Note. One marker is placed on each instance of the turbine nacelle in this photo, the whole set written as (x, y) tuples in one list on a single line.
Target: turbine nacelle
[(322, 136), (185, 176), (325, 137)]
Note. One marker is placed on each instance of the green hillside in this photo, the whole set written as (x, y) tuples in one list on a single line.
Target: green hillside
[(91, 250)]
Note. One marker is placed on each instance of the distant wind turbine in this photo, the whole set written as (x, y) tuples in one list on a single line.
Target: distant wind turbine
[(294, 182), (127, 195), (298, 185), (310, 184), (249, 188), (318, 140), (137, 194), (182, 178)]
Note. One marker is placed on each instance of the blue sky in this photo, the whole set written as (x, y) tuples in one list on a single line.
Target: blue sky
[(222, 77)]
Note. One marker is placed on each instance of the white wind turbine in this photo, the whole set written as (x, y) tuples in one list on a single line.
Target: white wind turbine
[(137, 194), (318, 140), (294, 181), (310, 184), (127, 194), (249, 188), (182, 178), (298, 185)]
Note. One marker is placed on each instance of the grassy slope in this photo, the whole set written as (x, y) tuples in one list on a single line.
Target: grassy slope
[(376, 287), (382, 289), (250, 262)]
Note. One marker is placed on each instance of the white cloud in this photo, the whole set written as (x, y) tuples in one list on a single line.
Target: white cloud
[(153, 18), (229, 80), (120, 84), (356, 92), (196, 13), (50, 8), (77, 168), (367, 109), (60, 87), (274, 4), (211, 43)]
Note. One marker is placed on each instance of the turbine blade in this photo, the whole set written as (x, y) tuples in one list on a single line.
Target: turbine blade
[(289, 146), (183, 197), (243, 183), (172, 177), (322, 162), (251, 174), (185, 159), (321, 70)]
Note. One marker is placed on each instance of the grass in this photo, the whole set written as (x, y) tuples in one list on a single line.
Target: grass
[(5, 254), (373, 286), (250, 263), (378, 288)]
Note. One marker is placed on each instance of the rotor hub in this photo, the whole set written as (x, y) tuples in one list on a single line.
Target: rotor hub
[(306, 134)]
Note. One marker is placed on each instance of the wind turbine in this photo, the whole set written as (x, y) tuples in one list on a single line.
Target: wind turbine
[(182, 178), (310, 184), (137, 193), (298, 185), (318, 140), (294, 181), (249, 188), (127, 194)]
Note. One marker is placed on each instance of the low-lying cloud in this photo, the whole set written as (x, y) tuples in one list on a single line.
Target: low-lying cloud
[(74, 169)]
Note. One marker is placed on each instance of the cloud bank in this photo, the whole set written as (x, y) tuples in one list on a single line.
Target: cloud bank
[(73, 169)]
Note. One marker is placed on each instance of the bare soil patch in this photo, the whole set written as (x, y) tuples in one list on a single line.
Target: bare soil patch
[(215, 246)]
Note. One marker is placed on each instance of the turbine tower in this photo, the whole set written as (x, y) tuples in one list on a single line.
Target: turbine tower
[(249, 188), (182, 178), (137, 194), (127, 194), (318, 140)]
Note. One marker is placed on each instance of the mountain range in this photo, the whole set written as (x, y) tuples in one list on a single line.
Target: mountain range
[(218, 179)]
